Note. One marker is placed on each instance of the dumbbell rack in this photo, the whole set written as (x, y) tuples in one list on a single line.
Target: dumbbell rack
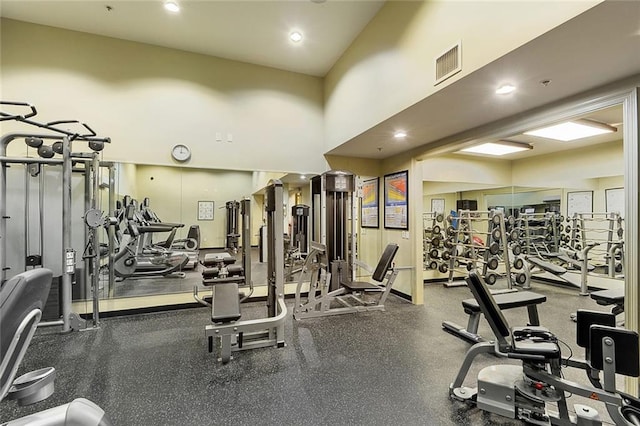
[(433, 238), (540, 232), (583, 232), (461, 240)]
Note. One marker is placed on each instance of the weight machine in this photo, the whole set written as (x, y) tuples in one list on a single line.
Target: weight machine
[(63, 145), (333, 222), (523, 391), (233, 210), (228, 330)]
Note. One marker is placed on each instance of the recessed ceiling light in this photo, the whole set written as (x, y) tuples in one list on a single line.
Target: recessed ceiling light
[(295, 36), (172, 6), (400, 134), (498, 148), (572, 130), (303, 177), (505, 89)]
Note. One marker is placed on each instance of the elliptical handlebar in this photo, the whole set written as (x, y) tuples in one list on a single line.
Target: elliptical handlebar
[(5, 116)]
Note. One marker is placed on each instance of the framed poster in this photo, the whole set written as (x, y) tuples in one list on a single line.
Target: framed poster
[(396, 200), (370, 204), (437, 205), (205, 210), (579, 202), (614, 200)]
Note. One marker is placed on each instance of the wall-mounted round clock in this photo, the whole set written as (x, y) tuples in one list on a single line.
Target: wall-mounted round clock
[(181, 153)]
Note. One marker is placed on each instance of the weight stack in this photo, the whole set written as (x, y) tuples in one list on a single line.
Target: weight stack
[(51, 310)]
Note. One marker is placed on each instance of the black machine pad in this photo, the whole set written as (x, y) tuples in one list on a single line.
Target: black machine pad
[(226, 303), (627, 354), (507, 301), (608, 297)]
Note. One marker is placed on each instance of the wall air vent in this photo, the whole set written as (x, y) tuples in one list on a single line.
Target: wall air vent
[(449, 63)]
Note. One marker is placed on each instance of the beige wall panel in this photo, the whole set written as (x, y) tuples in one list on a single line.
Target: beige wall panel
[(148, 98), (390, 66)]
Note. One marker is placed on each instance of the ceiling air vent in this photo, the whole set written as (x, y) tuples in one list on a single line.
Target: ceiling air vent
[(449, 63)]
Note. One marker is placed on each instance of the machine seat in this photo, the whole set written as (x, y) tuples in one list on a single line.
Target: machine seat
[(226, 302), (361, 286), (384, 264), (507, 301), (547, 266), (534, 341)]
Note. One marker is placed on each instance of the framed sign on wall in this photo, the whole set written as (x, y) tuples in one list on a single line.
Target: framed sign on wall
[(396, 200), (370, 204), (579, 202), (205, 210)]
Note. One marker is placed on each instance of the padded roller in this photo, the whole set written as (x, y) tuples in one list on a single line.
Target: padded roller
[(210, 273), (235, 270)]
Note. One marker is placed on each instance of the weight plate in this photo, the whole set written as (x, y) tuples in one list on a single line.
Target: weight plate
[(560, 228), (433, 254), (436, 229), (449, 219), (521, 278), (446, 255), (620, 232), (512, 220), (494, 248), (496, 219), (490, 279), (492, 263), (443, 268), (496, 234), (433, 265), (451, 231), (516, 249), (436, 242), (513, 235), (469, 266), (518, 263), (439, 217), (567, 229)]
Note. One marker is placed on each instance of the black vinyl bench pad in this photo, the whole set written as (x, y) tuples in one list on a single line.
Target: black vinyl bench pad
[(507, 301)]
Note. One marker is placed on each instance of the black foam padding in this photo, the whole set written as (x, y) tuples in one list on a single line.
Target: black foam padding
[(516, 299), (235, 270), (608, 297), (384, 264), (226, 303), (585, 319), (210, 273), (626, 349), (488, 305), (229, 260)]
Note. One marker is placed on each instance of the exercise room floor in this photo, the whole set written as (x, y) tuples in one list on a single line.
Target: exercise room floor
[(377, 368)]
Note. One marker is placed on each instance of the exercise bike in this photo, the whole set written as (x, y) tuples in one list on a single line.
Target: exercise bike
[(524, 392)]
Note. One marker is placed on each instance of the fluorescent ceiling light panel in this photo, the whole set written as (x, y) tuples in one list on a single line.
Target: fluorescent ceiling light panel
[(400, 134), (498, 148), (572, 130)]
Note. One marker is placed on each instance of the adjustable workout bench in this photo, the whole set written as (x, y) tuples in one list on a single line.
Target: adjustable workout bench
[(319, 297), (519, 299)]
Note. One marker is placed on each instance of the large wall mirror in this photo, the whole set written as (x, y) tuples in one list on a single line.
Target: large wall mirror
[(584, 175)]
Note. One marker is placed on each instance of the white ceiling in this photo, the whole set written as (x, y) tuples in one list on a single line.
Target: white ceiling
[(600, 46), (249, 31)]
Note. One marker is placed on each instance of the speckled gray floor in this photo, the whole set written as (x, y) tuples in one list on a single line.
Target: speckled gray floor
[(377, 368)]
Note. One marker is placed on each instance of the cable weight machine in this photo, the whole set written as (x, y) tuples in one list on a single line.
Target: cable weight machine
[(333, 222)]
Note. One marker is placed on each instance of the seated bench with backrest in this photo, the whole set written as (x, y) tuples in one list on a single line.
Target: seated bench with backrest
[(22, 299), (519, 299), (379, 274)]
